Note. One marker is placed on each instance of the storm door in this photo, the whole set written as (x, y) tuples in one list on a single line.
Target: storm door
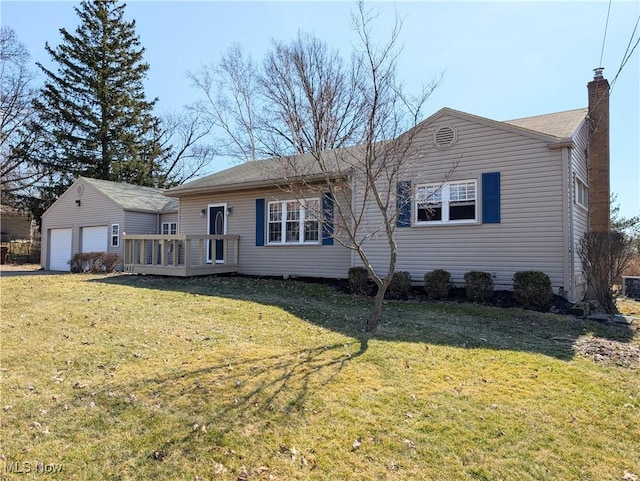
[(217, 226)]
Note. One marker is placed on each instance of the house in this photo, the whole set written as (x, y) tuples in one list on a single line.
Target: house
[(500, 197), (92, 215), (473, 194), (16, 225)]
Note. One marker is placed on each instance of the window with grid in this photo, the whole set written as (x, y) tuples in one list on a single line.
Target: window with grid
[(115, 235), (447, 202), (169, 228), (293, 222), (581, 196)]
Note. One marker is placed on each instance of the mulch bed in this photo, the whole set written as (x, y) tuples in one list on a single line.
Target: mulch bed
[(605, 351)]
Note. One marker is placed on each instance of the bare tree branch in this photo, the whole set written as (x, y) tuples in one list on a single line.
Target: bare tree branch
[(16, 141), (339, 128), (188, 154)]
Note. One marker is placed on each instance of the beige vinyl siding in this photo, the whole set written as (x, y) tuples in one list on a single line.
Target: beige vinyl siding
[(530, 234), (285, 260), (95, 209), (141, 223), (169, 217)]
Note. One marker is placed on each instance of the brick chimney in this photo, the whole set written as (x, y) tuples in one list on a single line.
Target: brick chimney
[(598, 153)]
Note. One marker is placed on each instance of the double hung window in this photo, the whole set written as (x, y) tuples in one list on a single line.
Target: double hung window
[(581, 195), (115, 235), (294, 222), (447, 202)]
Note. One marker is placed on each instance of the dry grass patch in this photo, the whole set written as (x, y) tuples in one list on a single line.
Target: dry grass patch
[(126, 377)]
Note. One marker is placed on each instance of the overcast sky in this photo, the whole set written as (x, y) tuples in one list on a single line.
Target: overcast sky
[(501, 60)]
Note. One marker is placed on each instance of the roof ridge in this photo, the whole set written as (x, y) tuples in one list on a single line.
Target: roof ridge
[(546, 115)]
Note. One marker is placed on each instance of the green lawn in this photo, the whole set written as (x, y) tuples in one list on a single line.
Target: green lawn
[(132, 377)]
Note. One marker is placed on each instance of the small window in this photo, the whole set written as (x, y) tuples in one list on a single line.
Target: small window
[(581, 194), (448, 202), (115, 235), (169, 228)]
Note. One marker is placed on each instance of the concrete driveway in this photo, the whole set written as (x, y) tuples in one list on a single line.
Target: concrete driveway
[(12, 270)]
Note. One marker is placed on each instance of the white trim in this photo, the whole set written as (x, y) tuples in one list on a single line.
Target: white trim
[(168, 224), (224, 227), (568, 278), (301, 222), (443, 193), (115, 236), (580, 192)]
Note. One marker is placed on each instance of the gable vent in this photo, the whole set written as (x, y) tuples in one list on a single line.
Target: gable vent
[(445, 137)]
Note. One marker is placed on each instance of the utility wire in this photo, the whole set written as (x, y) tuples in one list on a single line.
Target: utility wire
[(604, 38), (627, 53)]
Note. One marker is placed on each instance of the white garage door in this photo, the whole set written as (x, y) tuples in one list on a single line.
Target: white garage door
[(59, 249), (94, 239)]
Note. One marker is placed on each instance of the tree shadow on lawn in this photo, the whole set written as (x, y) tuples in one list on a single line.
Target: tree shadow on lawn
[(459, 325), (226, 404), (217, 403)]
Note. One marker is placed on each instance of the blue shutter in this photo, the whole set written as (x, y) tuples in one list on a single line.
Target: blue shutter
[(491, 198), (260, 211), (327, 219), (404, 204)]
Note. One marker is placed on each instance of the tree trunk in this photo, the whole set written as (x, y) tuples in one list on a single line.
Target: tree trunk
[(376, 313)]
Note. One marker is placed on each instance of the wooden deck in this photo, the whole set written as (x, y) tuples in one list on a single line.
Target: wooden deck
[(180, 255)]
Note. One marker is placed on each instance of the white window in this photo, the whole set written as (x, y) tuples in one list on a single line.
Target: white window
[(294, 222), (581, 194), (115, 235), (446, 203), (169, 228)]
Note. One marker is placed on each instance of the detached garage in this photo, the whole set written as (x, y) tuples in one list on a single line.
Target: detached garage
[(91, 216)]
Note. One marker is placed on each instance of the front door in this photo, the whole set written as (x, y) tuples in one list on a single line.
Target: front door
[(217, 226)]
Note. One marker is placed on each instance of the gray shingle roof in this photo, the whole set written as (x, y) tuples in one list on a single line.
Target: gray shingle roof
[(135, 197), (269, 172), (558, 124)]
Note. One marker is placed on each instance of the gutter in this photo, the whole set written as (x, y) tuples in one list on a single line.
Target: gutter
[(210, 189), (562, 143)]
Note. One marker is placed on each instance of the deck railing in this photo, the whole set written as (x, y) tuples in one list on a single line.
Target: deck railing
[(180, 255)]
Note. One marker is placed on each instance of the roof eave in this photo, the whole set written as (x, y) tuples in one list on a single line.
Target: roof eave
[(562, 143), (188, 191)]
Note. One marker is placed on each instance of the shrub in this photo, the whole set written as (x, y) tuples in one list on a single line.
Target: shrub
[(478, 286), (359, 282), (94, 262), (532, 289), (437, 284), (604, 257), (400, 286)]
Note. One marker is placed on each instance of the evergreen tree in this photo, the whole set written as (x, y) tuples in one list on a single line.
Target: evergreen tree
[(92, 111)]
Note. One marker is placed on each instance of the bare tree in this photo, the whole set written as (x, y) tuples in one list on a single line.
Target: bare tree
[(184, 138), (604, 256), (16, 142), (341, 129), (231, 103)]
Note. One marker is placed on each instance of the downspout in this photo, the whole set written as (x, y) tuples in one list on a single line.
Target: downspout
[(567, 289)]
